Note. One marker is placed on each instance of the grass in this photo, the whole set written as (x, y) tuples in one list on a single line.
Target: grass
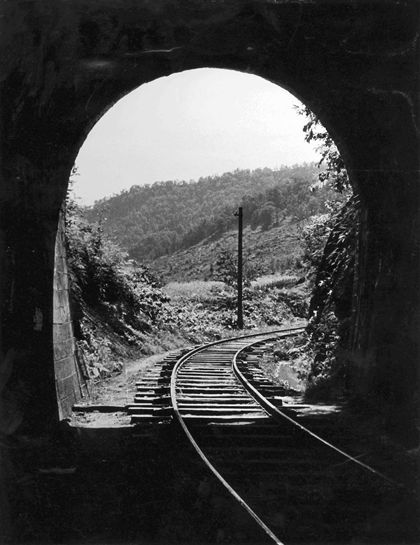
[(197, 290), (203, 290), (277, 280)]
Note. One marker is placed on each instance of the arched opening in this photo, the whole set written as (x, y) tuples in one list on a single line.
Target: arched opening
[(241, 138)]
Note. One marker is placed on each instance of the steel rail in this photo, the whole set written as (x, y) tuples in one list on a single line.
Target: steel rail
[(229, 488), (265, 404), (278, 413)]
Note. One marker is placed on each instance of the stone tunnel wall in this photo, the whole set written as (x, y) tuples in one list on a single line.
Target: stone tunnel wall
[(353, 62), (63, 63), (69, 382)]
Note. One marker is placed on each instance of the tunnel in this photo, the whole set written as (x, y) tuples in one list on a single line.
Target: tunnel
[(64, 63)]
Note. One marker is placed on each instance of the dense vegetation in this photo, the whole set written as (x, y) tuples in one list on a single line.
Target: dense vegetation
[(332, 305), (158, 219), (330, 248), (121, 310), (114, 304)]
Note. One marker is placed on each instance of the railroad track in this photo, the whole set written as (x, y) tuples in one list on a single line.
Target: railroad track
[(152, 401), (295, 485)]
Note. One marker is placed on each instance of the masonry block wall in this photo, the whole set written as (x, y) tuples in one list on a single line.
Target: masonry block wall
[(70, 385)]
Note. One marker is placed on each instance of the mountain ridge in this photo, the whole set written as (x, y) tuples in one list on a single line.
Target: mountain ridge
[(160, 219)]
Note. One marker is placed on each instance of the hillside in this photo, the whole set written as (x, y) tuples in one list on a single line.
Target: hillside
[(121, 311), (275, 250), (154, 220)]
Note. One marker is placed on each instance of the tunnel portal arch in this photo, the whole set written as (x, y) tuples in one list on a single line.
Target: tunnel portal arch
[(353, 62)]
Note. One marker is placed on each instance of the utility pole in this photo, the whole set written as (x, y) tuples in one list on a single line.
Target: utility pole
[(240, 279)]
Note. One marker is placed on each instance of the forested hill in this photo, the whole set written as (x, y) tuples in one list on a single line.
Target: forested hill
[(158, 219)]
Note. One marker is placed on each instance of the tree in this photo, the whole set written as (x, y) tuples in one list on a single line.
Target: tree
[(225, 269)]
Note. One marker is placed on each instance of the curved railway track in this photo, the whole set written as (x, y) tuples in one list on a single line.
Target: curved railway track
[(295, 485)]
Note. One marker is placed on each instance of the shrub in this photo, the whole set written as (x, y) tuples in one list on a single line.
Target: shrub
[(226, 269), (125, 296)]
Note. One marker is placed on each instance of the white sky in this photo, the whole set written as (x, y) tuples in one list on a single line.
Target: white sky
[(191, 124)]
